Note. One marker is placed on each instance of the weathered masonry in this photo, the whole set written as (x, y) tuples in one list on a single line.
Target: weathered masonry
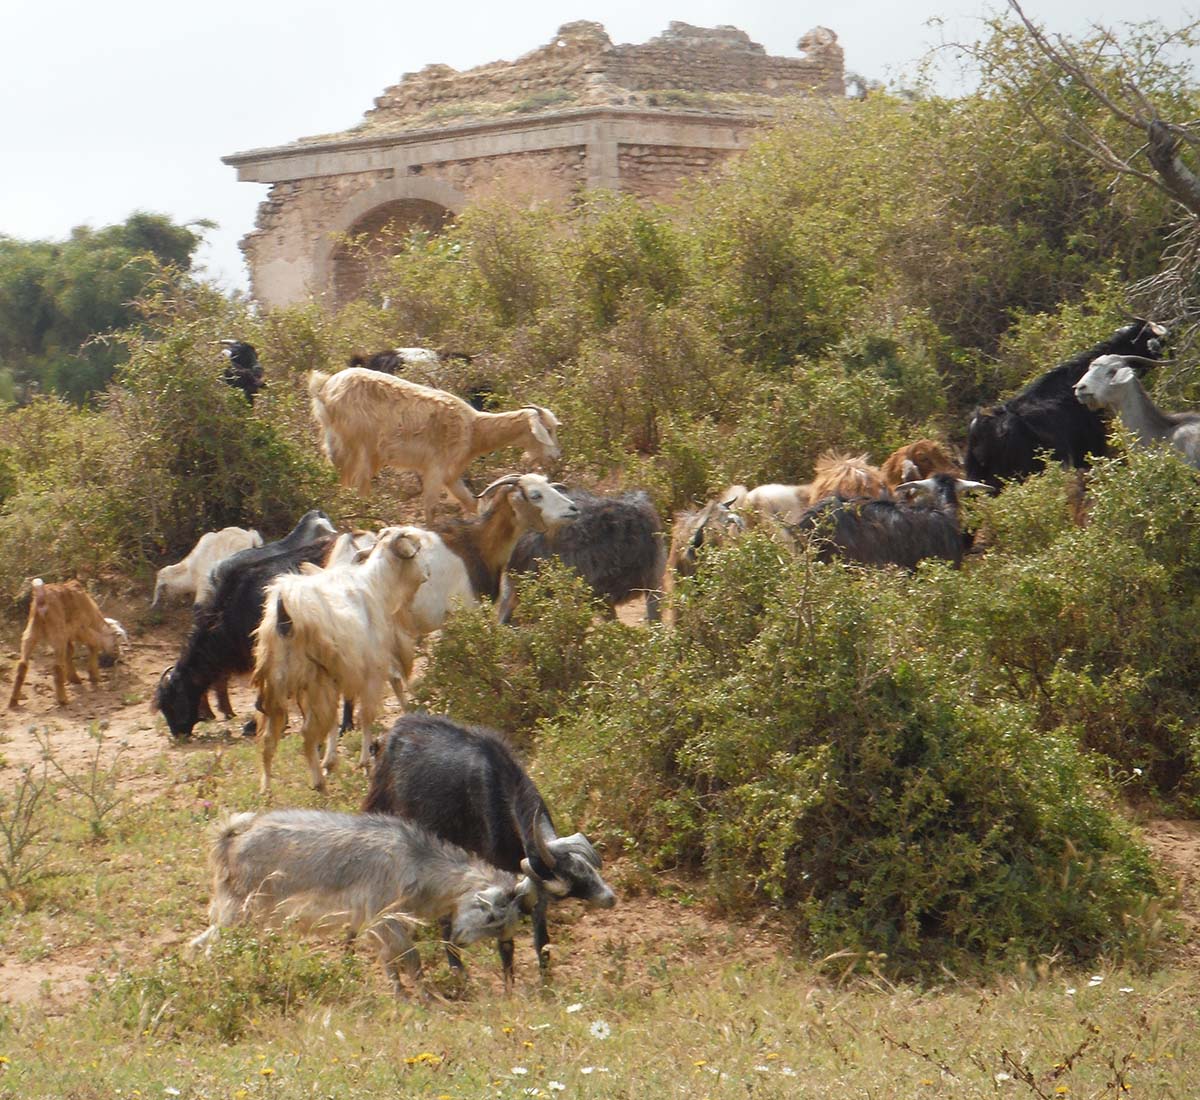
[(576, 113)]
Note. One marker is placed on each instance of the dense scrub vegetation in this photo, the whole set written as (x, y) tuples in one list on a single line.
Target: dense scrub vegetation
[(924, 768)]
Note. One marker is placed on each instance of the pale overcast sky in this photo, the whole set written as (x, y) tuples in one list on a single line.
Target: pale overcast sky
[(110, 108)]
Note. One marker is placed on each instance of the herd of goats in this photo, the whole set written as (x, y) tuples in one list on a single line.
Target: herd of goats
[(453, 830)]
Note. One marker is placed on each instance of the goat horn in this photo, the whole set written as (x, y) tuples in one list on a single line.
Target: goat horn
[(540, 844), (965, 486), (1142, 361), (500, 482), (925, 484)]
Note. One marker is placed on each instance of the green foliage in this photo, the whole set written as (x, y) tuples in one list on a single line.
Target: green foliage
[(791, 742), (56, 298), (222, 995), (512, 677)]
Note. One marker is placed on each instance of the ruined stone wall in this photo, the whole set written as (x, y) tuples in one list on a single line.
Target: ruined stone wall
[(656, 171)]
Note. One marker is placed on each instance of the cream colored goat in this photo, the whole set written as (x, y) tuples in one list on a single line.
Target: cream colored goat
[(370, 420), (191, 575), (62, 616), (328, 634)]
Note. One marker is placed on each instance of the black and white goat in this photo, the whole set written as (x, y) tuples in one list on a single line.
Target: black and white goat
[(465, 784), (890, 532), (242, 369)]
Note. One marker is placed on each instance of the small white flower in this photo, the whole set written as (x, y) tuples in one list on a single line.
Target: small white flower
[(520, 1071), (600, 1029), (171, 1090), (587, 1069), (787, 1071), (574, 1008), (1125, 989), (341, 1035), (538, 1027), (1070, 992), (762, 1069), (1137, 771), (1001, 1077), (556, 1086), (1095, 979)]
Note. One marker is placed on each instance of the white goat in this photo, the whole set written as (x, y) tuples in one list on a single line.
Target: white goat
[(192, 574), (328, 634), (784, 503), (370, 420), (365, 872), (1110, 382)]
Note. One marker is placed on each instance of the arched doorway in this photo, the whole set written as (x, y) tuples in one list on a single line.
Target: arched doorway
[(374, 224)]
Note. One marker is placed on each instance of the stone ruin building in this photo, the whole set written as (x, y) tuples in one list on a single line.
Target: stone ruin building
[(576, 113)]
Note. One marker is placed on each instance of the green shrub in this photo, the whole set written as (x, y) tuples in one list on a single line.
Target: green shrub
[(792, 740)]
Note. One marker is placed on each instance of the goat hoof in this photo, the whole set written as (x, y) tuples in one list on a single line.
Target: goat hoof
[(250, 728)]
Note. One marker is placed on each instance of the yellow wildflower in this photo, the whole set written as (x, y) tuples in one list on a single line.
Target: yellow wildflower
[(267, 1071)]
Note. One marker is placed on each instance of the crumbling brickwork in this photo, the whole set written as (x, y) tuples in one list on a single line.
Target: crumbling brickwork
[(576, 113)]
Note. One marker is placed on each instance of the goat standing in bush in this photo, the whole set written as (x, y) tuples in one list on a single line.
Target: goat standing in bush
[(1003, 440), (890, 532), (464, 784), (328, 634), (1111, 382), (616, 545), (370, 420), (62, 616), (363, 872), (192, 574)]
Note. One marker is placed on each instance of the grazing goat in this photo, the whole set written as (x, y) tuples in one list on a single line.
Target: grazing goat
[(913, 461), (616, 545), (1004, 440), (713, 525), (243, 370), (192, 574), (781, 503), (1111, 383), (424, 365), (370, 420), (219, 644), (373, 873), (329, 634), (62, 616), (464, 784), (890, 532)]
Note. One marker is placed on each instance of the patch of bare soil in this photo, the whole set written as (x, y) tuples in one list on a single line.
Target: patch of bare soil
[(1175, 842)]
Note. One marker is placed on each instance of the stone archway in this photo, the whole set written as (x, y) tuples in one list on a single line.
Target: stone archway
[(376, 219)]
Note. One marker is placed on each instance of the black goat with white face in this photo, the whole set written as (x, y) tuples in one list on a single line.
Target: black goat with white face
[(464, 784), (890, 532), (242, 369), (616, 545), (1003, 440)]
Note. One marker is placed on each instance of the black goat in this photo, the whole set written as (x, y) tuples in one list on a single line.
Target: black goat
[(220, 642), (890, 532), (243, 370), (1004, 440), (464, 784), (616, 545), (424, 365)]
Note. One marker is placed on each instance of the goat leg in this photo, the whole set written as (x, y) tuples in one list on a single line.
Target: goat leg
[(505, 948), (72, 674), (541, 936), (453, 954), (221, 687), (14, 700)]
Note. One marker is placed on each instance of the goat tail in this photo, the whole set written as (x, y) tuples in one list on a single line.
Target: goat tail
[(226, 831), (283, 621), (39, 595), (316, 385)]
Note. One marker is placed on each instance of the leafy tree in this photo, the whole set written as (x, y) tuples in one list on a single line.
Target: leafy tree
[(59, 298)]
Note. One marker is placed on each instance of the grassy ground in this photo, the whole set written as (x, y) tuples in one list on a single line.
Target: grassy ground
[(657, 997)]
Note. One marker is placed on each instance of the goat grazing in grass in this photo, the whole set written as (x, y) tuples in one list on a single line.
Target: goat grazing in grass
[(1111, 382), (62, 616), (370, 420), (364, 872)]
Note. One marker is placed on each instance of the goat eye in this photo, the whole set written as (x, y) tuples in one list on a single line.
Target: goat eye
[(535, 496)]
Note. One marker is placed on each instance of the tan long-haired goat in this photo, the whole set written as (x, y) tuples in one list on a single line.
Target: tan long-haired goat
[(371, 420)]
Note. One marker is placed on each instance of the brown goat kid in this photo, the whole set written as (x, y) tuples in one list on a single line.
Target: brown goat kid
[(63, 616), (370, 420), (916, 461)]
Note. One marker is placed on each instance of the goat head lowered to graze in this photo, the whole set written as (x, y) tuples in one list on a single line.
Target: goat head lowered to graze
[(370, 420), (62, 616), (368, 873), (219, 645), (1005, 441), (465, 784)]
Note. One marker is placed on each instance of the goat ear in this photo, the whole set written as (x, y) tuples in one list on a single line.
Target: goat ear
[(1123, 376), (538, 428), (404, 547), (308, 568)]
